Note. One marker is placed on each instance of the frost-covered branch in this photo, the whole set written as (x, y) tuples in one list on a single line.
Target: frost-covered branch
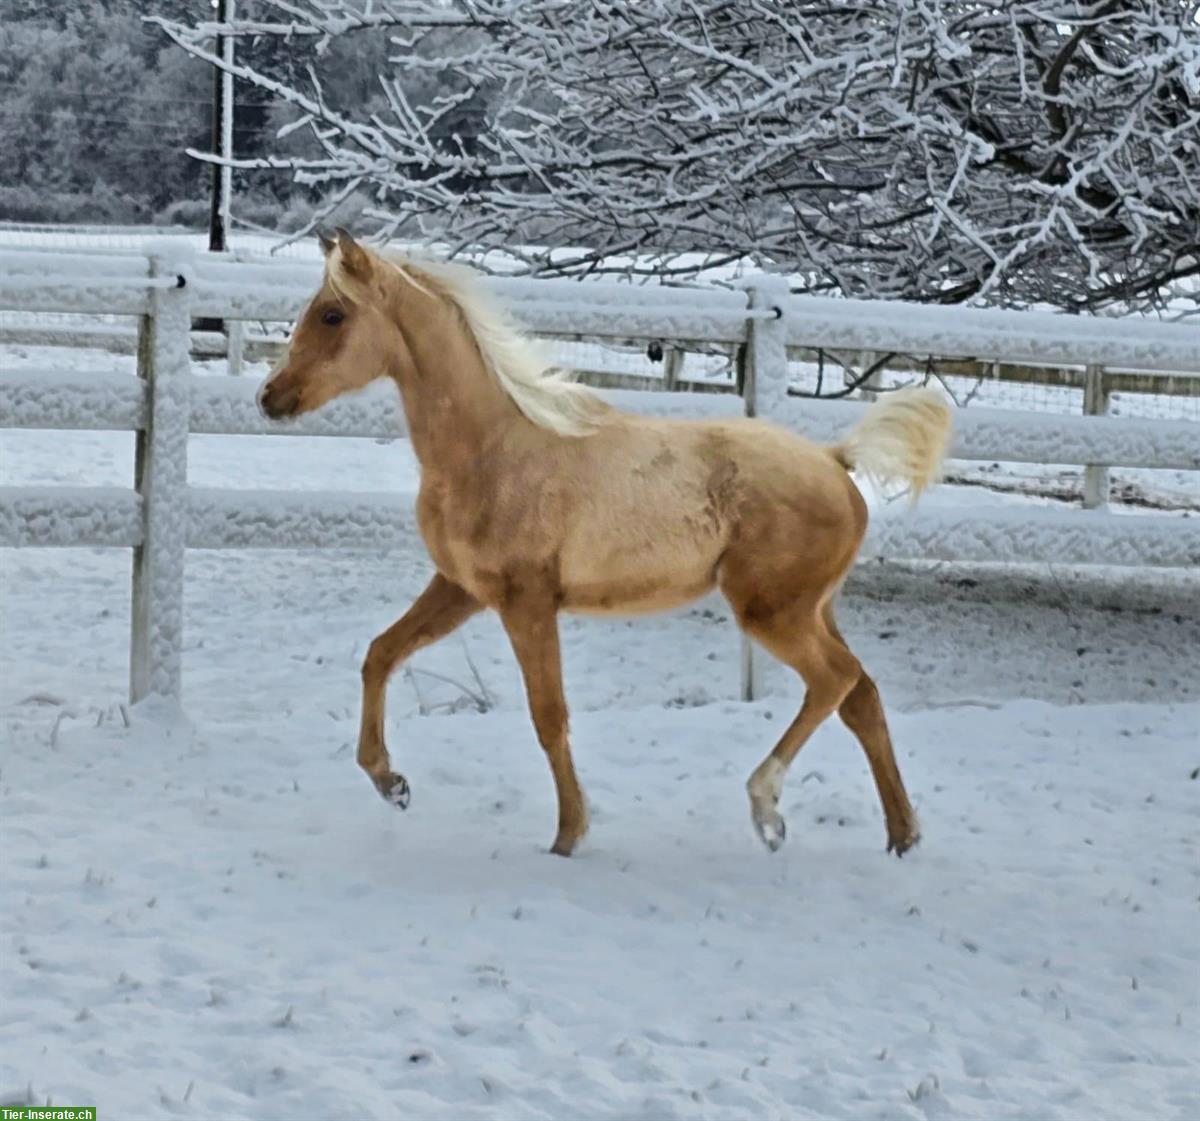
[(1013, 151)]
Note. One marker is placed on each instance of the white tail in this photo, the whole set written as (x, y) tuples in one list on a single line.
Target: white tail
[(902, 437)]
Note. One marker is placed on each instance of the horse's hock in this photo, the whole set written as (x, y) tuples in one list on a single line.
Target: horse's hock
[(160, 515)]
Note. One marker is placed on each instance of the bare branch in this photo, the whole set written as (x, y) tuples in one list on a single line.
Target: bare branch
[(1016, 152)]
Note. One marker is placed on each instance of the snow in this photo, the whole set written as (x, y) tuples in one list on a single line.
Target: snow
[(1023, 436), (248, 517), (227, 405), (602, 291), (676, 406), (60, 516), (1040, 337), (162, 473), (226, 911), (81, 282), (281, 519), (214, 915), (1014, 534), (651, 317), (90, 398), (72, 398), (62, 266), (767, 372)]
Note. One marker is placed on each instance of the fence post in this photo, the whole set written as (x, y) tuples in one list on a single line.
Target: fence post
[(765, 390), (160, 476), (868, 390), (1095, 403), (235, 346), (672, 368), (766, 368)]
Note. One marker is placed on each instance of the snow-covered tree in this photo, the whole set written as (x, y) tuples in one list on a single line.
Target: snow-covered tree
[(1001, 151)]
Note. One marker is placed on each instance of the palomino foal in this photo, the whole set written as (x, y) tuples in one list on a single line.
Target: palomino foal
[(537, 497)]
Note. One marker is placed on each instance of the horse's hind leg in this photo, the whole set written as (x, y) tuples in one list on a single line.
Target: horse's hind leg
[(862, 713), (439, 609), (798, 637)]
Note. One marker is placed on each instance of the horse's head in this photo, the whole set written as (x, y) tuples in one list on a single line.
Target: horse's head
[(342, 340)]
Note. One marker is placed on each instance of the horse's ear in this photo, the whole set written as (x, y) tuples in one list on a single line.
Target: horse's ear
[(354, 258), (327, 243)]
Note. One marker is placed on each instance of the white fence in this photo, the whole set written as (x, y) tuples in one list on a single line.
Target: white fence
[(161, 516)]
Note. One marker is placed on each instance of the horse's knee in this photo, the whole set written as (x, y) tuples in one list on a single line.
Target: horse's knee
[(862, 702), (829, 669), (847, 671)]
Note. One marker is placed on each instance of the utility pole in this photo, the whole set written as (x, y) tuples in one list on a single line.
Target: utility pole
[(222, 134), (222, 145)]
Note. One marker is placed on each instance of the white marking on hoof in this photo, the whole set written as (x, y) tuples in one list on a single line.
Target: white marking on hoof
[(395, 791), (764, 787), (771, 829)]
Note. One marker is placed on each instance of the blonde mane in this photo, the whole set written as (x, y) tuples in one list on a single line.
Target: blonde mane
[(550, 398)]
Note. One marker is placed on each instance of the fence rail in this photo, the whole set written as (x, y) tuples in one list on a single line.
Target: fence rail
[(259, 347), (161, 516)]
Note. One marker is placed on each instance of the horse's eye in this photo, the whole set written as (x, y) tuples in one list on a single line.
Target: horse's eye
[(332, 317)]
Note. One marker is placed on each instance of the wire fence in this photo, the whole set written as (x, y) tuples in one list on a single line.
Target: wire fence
[(990, 388), (106, 239)]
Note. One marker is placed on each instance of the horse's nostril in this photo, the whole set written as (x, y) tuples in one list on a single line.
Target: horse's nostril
[(276, 402)]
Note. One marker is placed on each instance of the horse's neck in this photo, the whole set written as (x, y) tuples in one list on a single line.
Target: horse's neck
[(453, 403)]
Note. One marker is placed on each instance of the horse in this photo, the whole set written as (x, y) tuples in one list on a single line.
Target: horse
[(537, 497)]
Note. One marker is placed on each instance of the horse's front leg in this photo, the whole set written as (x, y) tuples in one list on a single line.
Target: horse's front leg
[(439, 609), (532, 625)]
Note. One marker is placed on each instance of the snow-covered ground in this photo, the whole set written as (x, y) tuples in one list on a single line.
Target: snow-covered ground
[(222, 920), (215, 916)]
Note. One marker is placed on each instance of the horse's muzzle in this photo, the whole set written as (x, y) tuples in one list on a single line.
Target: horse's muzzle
[(276, 401)]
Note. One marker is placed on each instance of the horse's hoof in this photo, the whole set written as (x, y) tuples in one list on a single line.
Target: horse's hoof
[(564, 846), (394, 790), (900, 845), (771, 829)]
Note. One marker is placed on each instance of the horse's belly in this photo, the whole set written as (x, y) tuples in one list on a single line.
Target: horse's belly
[(639, 578), (636, 600)]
